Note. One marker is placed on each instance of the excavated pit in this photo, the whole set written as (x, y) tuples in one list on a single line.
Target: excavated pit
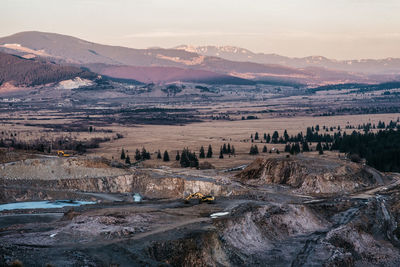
[(262, 221), (61, 178)]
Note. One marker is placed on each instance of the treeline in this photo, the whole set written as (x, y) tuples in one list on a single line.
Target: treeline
[(312, 135), (362, 110), (60, 143), (381, 150), (319, 134), (381, 125), (361, 87), (226, 150), (141, 155), (186, 158)]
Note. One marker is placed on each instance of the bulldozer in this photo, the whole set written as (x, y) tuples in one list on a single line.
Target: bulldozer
[(202, 198), (61, 153)]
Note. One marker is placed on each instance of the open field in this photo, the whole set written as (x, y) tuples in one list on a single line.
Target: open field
[(216, 133), (194, 135)]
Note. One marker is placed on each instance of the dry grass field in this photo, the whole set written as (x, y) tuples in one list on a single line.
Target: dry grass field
[(216, 133), (275, 112)]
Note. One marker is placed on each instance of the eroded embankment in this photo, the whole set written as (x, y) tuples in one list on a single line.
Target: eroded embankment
[(312, 175), (23, 189), (58, 178)]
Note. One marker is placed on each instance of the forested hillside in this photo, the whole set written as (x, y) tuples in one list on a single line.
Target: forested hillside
[(27, 72)]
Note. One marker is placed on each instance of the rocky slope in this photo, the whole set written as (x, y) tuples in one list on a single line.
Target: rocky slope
[(312, 175), (51, 178), (350, 233)]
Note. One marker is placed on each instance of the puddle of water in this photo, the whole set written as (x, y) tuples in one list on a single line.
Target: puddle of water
[(218, 214), (43, 204)]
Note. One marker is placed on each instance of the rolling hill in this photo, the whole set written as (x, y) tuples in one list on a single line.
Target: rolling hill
[(165, 74), (20, 71)]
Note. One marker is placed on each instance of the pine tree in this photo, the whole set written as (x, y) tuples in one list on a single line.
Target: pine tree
[(224, 149), (184, 161), (166, 156), (159, 154), (221, 153), (194, 162), (265, 150), (319, 148), (275, 137), (268, 138), (188, 159), (287, 148), (305, 146), (233, 150), (256, 136), (295, 149), (145, 154), (178, 157), (202, 153), (228, 150), (122, 154), (265, 136), (209, 152), (285, 136), (253, 150), (137, 155), (128, 160)]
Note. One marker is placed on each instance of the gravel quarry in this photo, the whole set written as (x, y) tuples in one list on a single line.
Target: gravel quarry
[(269, 213)]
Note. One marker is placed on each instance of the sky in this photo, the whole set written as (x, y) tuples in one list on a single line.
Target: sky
[(340, 29)]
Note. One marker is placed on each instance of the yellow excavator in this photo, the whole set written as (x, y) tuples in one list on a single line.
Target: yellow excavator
[(202, 198), (61, 153)]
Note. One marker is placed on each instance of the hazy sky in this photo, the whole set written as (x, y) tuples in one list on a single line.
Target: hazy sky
[(333, 28)]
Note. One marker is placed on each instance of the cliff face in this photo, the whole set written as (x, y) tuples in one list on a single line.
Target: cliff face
[(311, 175), (58, 178), (24, 189)]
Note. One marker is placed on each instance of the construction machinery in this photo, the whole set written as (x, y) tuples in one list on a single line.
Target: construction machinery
[(202, 198), (61, 153)]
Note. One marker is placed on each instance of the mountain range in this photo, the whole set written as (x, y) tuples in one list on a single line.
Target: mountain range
[(209, 64), (375, 66)]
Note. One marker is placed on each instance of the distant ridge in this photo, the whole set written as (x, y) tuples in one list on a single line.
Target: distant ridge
[(381, 66), (229, 62)]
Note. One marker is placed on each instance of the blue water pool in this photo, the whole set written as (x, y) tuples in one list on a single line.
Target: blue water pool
[(43, 204)]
